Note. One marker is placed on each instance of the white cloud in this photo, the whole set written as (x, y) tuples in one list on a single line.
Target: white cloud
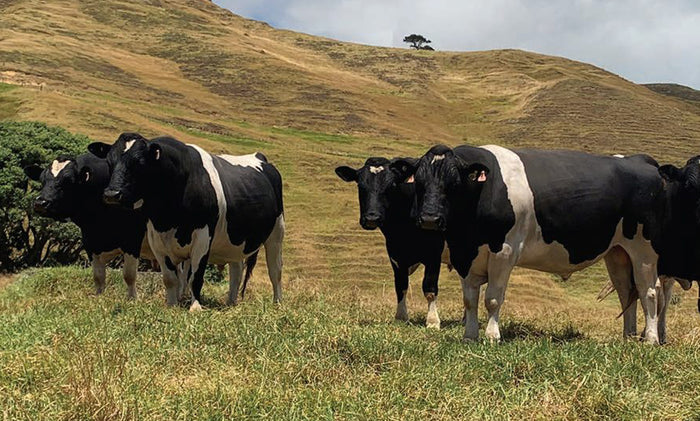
[(642, 40)]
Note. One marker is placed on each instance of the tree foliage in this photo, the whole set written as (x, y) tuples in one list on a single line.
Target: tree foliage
[(25, 238), (419, 42)]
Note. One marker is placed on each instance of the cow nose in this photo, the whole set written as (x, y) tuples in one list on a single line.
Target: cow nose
[(431, 222), (112, 197), (40, 205), (371, 221)]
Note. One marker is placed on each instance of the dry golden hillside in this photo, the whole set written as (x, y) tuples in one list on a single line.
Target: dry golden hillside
[(99, 67)]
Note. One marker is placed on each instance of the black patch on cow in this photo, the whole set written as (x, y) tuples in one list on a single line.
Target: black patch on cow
[(580, 198), (475, 215), (254, 201)]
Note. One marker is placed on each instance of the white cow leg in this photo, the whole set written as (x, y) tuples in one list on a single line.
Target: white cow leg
[(183, 274), (499, 269), (664, 301), (129, 271), (471, 285), (645, 280), (619, 268), (273, 256), (430, 291), (99, 273), (235, 273)]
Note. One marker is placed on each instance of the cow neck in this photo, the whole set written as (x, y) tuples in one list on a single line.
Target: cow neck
[(164, 188), (398, 213), (90, 208)]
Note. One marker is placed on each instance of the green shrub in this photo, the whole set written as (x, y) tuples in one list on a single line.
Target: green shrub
[(25, 238)]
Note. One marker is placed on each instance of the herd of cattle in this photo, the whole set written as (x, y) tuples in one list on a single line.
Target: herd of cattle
[(482, 210)]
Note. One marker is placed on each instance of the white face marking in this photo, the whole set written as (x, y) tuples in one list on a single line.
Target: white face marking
[(437, 158), (129, 144), (376, 170), (249, 160), (617, 155), (57, 167)]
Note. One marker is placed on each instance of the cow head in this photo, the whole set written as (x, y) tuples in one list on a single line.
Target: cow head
[(687, 181), (129, 160), (444, 182), (61, 184), (376, 182)]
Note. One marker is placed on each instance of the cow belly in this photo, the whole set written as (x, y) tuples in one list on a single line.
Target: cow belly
[(555, 258), (222, 250)]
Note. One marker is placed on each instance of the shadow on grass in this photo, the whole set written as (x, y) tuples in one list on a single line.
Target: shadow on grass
[(513, 330)]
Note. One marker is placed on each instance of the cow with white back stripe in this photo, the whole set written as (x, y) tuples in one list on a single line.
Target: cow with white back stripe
[(200, 208), (71, 189), (554, 211), (385, 203)]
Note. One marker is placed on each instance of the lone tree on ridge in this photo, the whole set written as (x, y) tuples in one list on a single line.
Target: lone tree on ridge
[(418, 42)]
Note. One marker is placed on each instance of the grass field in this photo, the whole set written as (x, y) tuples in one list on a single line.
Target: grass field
[(331, 350)]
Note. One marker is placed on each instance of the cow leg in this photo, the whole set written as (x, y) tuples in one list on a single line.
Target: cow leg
[(619, 268), (273, 256), (664, 301), (430, 291), (170, 280), (99, 273), (184, 276), (471, 286), (235, 272), (401, 287), (131, 265), (499, 269), (645, 278)]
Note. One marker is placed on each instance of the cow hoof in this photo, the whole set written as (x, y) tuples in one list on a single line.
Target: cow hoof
[(433, 323), (401, 317), (195, 307), (470, 339)]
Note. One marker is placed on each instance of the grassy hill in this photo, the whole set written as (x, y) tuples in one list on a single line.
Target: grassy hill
[(202, 74)]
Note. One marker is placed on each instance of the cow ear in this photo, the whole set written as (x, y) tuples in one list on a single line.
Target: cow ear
[(404, 167), (346, 173), (99, 149), (84, 174), (671, 173), (474, 173), (154, 152), (33, 172)]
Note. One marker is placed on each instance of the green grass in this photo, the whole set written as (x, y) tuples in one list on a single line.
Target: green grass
[(323, 354)]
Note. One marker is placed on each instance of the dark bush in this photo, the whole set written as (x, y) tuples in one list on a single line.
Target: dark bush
[(25, 238)]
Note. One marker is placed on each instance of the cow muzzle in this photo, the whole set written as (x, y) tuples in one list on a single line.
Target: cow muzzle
[(432, 222), (371, 221), (112, 197), (41, 206)]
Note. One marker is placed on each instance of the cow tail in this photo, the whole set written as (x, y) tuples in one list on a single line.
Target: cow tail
[(606, 290), (249, 266), (634, 295)]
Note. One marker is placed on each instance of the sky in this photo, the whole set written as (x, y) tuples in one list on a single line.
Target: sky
[(644, 41)]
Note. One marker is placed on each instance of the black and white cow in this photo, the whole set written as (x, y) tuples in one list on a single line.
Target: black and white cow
[(199, 207), (678, 246), (385, 203), (554, 211), (71, 189)]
